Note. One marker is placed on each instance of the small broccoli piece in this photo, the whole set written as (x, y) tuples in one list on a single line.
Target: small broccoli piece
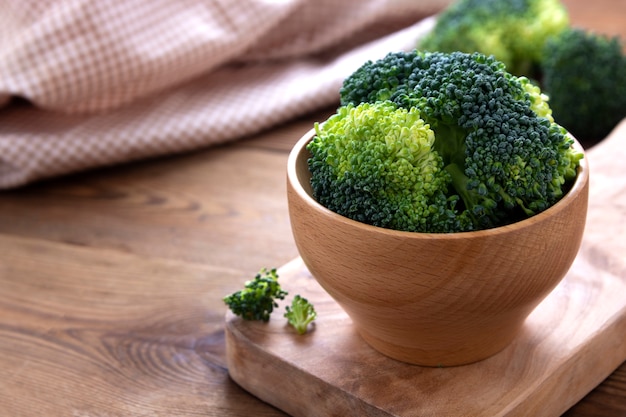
[(300, 314), (585, 76), (514, 31), (257, 299), (454, 143)]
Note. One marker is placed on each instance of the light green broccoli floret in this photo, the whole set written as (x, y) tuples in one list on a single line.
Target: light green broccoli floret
[(300, 314), (454, 143), (374, 163), (514, 31)]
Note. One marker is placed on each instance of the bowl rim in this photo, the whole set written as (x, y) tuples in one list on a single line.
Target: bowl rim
[(579, 185)]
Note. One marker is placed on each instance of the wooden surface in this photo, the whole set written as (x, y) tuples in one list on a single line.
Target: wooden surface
[(111, 282), (571, 341)]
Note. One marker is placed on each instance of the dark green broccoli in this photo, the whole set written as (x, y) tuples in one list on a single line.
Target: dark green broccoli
[(440, 142), (514, 31), (585, 76), (300, 314), (257, 299)]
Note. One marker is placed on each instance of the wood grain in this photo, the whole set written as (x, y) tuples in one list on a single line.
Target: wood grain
[(570, 342), (190, 209), (109, 331)]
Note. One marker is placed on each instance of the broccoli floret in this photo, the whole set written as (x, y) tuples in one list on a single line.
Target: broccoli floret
[(456, 144), (514, 31), (374, 163), (300, 314), (585, 76), (257, 299), (378, 81)]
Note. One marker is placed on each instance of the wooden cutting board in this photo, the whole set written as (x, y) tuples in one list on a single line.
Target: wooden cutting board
[(569, 344)]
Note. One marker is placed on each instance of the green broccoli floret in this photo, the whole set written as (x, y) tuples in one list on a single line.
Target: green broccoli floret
[(300, 314), (455, 143), (374, 163), (514, 31), (585, 76), (257, 299)]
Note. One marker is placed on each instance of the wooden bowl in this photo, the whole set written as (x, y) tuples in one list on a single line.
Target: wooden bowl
[(435, 299)]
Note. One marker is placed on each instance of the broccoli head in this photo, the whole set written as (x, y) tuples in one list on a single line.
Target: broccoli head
[(257, 299), (585, 76), (300, 314), (514, 31), (440, 142)]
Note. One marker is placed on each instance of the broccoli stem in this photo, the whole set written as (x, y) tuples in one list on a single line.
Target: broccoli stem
[(475, 201), (450, 143), (460, 182)]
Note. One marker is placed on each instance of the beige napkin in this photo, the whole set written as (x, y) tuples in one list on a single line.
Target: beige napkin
[(85, 84)]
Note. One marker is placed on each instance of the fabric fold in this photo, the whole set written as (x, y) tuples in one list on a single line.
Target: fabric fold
[(123, 91)]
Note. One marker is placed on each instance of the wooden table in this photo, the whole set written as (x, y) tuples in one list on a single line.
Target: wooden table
[(111, 281)]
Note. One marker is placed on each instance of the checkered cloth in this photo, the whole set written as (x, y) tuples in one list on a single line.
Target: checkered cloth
[(86, 84)]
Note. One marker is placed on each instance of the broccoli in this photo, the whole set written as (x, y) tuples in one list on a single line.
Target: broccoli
[(300, 314), (514, 31), (585, 76), (440, 142), (256, 300), (374, 163)]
